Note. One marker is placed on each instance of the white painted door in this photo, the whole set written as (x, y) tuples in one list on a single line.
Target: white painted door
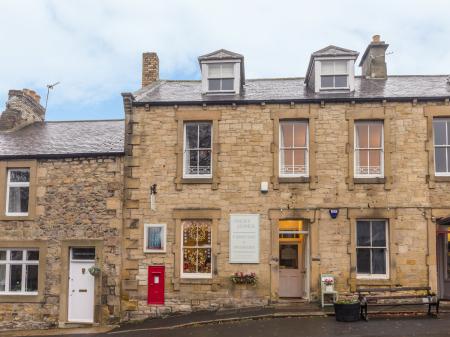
[(291, 270), (81, 290)]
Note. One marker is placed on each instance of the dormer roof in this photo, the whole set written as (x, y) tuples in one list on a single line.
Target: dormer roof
[(221, 54)]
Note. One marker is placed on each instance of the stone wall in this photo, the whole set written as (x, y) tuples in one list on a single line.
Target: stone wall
[(244, 161), (77, 198)]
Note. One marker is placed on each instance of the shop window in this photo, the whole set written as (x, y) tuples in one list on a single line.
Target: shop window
[(196, 249)]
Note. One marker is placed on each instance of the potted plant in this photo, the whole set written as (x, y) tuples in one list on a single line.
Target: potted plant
[(347, 310), (329, 284), (241, 278), (94, 270)]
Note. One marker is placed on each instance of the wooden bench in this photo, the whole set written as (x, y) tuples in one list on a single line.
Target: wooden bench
[(392, 297)]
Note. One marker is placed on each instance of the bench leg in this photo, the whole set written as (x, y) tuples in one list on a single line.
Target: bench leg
[(364, 312), (437, 306), (429, 309)]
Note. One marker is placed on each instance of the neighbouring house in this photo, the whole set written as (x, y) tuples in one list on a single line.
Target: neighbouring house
[(286, 178), (60, 214)]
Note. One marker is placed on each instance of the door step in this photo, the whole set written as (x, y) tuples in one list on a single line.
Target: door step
[(70, 325)]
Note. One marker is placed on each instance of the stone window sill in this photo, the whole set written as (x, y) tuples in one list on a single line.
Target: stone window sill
[(21, 299), (374, 282), (285, 180), (196, 181), (369, 180), (196, 281), (442, 178)]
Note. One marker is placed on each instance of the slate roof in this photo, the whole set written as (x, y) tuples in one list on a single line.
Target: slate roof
[(64, 139), (285, 90)]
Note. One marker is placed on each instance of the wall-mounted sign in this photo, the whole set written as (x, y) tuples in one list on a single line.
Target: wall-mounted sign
[(334, 213), (244, 238)]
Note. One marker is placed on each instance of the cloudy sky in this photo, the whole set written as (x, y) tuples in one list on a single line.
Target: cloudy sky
[(94, 47)]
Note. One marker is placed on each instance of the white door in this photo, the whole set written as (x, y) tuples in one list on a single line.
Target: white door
[(81, 285), (291, 270)]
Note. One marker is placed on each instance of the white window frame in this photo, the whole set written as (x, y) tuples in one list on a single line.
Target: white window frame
[(10, 184), (446, 146), (24, 262), (163, 238), (221, 77), (387, 255), (201, 176), (356, 149), (281, 149), (347, 73), (195, 275)]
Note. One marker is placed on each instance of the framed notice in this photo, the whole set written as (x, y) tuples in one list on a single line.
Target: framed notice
[(244, 238)]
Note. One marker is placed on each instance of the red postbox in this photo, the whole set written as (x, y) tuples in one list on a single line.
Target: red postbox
[(155, 285)]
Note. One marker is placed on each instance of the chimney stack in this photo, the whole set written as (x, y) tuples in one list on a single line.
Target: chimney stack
[(23, 108), (150, 68), (373, 61)]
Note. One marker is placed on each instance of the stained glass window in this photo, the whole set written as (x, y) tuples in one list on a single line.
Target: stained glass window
[(196, 248)]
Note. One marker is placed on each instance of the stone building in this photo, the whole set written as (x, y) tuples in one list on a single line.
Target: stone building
[(60, 214), (285, 178)]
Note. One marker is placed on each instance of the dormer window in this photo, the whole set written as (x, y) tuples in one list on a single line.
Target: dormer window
[(222, 72), (334, 74), (221, 77)]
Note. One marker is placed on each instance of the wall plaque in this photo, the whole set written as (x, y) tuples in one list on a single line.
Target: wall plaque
[(244, 238)]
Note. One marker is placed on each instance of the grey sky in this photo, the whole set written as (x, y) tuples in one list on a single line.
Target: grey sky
[(94, 47)]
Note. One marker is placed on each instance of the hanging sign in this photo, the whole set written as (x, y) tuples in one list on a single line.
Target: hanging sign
[(244, 238), (334, 213)]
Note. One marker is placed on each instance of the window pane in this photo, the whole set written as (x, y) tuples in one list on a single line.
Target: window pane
[(83, 253), (362, 161), (2, 277), (448, 158), (300, 161), (33, 255), (300, 133), (2, 254), (327, 81), (327, 67), (362, 135), (340, 81), (214, 70), (439, 132), (191, 135), (227, 70), (22, 176), (376, 130), (228, 84), (18, 200), (31, 278), (340, 67), (363, 233), (440, 159), (205, 135), (204, 233), (15, 279), (363, 261), (155, 237), (378, 234), (189, 260), (378, 261), (204, 260), (287, 161), (189, 233), (204, 158), (192, 162), (375, 161), (16, 255), (214, 85), (287, 134)]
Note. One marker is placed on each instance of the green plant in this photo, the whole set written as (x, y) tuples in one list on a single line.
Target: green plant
[(348, 300)]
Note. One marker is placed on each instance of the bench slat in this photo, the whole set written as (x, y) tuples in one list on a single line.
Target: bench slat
[(394, 297), (368, 290)]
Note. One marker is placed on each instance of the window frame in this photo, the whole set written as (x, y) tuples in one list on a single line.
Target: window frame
[(356, 149), (446, 146), (280, 148), (10, 184), (184, 275), (347, 74), (386, 247), (197, 176), (221, 77), (24, 263), (163, 238)]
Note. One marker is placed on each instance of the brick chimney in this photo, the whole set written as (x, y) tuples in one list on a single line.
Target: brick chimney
[(373, 61), (150, 68), (22, 108)]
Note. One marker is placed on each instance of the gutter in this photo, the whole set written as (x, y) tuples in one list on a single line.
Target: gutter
[(61, 155)]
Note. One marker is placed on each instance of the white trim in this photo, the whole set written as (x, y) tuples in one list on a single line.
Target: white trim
[(163, 239), (445, 146), (195, 275), (386, 248), (201, 176), (24, 263), (347, 73), (368, 148), (204, 65), (10, 184), (280, 149)]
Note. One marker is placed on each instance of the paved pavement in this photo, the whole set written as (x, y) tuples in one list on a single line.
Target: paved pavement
[(421, 326)]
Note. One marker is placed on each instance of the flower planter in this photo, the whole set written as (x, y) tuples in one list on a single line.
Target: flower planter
[(347, 312), (329, 288)]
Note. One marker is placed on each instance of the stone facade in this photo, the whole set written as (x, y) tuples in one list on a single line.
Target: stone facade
[(245, 159), (78, 200)]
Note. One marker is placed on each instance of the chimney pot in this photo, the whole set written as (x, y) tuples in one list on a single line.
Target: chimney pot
[(150, 68)]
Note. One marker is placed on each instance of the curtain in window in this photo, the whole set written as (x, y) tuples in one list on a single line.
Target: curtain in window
[(369, 148), (155, 235)]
